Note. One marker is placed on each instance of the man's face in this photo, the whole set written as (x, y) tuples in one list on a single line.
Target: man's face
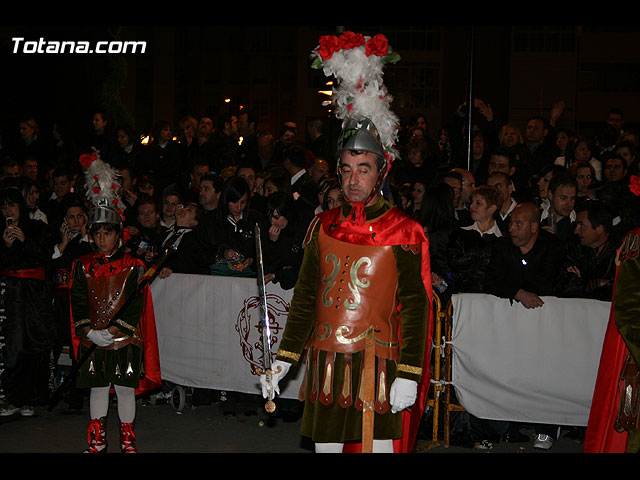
[(456, 185), (248, 175), (186, 215), (234, 125), (169, 205), (320, 169), (563, 200), (505, 187), (588, 236), (615, 120), (614, 169), (30, 169), (498, 163), (535, 131), (205, 126), (359, 176), (521, 229), (208, 196), (197, 173), (61, 186), (147, 215), (243, 124)]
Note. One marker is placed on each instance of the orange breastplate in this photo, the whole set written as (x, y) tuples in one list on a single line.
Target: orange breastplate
[(106, 297), (357, 289)]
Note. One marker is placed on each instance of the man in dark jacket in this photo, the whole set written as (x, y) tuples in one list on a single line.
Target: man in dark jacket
[(589, 270), (524, 267)]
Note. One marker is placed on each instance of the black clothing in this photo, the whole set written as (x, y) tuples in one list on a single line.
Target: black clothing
[(239, 236), (536, 271), (593, 265), (284, 256), (307, 189), (28, 327), (469, 255)]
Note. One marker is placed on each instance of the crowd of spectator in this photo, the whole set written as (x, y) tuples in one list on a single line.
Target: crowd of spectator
[(529, 211)]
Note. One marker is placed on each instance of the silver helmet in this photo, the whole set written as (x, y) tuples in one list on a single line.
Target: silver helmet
[(360, 134)]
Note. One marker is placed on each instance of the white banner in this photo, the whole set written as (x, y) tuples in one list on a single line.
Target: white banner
[(209, 332), (529, 365)]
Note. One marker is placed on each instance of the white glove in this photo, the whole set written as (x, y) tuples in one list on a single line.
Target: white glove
[(275, 378), (101, 338), (403, 394)]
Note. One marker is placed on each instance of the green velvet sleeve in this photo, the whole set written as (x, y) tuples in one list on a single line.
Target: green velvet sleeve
[(301, 316), (414, 302), (626, 305)]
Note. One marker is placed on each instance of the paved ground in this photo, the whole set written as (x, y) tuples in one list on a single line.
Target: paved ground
[(173, 428)]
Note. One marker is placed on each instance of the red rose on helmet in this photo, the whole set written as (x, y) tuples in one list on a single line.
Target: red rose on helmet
[(327, 45), (87, 159), (351, 40), (377, 45)]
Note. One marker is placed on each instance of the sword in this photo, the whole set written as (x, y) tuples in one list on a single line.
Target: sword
[(270, 406)]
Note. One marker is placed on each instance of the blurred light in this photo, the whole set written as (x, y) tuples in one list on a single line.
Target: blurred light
[(227, 100), (144, 139)]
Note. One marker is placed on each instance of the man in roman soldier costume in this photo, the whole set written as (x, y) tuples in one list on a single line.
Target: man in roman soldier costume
[(614, 418), (361, 305), (111, 315)]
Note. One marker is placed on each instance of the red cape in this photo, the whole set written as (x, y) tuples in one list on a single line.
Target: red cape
[(152, 378), (394, 227), (601, 437)]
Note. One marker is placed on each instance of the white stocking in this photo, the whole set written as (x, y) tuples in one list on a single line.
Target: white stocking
[(99, 402), (379, 446), (329, 447), (126, 403), (382, 446)]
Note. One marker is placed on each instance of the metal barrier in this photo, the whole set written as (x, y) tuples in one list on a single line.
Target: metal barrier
[(440, 397)]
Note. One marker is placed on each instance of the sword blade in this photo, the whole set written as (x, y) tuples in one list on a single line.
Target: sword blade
[(264, 315)]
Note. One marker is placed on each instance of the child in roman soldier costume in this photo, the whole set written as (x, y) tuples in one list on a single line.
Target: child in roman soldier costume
[(112, 315)]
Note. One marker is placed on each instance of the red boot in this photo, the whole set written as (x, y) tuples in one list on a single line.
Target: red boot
[(97, 436), (127, 438)]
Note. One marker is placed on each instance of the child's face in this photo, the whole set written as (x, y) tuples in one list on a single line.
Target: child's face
[(105, 240)]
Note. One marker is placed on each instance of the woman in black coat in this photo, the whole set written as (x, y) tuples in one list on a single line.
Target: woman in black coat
[(437, 217), (235, 226), (283, 249), (26, 295)]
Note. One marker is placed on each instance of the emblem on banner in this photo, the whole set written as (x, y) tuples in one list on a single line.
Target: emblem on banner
[(250, 330)]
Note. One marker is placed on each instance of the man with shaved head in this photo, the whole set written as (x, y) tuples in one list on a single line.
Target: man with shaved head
[(524, 267)]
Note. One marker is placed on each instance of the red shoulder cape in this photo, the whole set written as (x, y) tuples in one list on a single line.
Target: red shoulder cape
[(152, 379), (601, 436), (393, 227)]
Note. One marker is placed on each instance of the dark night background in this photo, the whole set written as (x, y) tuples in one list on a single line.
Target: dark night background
[(520, 70)]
